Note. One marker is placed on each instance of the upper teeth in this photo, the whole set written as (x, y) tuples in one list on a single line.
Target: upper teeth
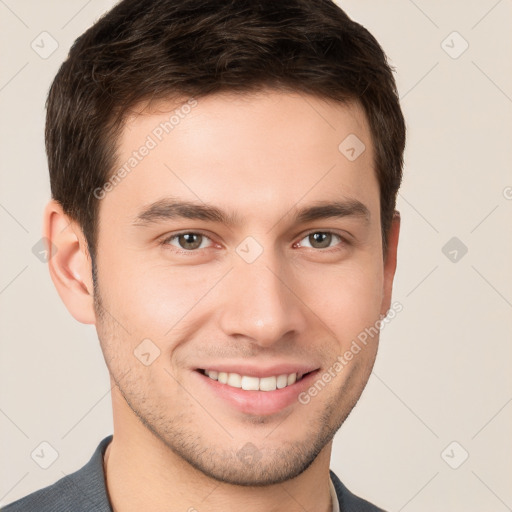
[(254, 383)]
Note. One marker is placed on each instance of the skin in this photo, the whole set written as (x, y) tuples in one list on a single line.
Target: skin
[(261, 156)]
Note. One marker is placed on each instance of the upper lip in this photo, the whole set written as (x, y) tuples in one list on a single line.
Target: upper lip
[(255, 370)]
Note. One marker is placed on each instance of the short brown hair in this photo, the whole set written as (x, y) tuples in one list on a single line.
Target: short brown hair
[(157, 49)]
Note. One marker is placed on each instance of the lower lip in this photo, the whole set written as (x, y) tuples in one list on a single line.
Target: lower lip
[(258, 402)]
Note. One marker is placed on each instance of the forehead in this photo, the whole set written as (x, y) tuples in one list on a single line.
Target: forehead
[(242, 151)]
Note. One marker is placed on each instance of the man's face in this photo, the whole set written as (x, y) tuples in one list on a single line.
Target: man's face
[(260, 293)]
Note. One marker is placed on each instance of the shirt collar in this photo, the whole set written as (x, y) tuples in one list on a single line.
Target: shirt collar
[(334, 497)]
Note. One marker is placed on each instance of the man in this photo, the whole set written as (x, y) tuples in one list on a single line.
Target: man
[(223, 179)]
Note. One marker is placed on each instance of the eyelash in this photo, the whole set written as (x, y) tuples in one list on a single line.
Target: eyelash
[(167, 245)]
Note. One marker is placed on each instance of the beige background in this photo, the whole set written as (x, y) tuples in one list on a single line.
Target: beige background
[(444, 370)]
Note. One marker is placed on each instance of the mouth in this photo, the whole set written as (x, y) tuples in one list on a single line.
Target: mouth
[(255, 391), (253, 383)]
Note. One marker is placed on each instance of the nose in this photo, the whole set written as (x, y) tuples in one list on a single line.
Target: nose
[(260, 303)]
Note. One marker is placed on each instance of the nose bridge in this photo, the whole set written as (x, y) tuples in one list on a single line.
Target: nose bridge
[(259, 304)]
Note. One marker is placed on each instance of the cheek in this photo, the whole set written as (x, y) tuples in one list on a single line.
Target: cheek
[(347, 299), (153, 299)]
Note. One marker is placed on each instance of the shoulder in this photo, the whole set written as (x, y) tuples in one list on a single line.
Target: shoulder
[(350, 502), (83, 490), (58, 497)]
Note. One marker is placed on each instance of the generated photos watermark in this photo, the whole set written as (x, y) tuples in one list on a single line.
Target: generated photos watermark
[(343, 360), (152, 140)]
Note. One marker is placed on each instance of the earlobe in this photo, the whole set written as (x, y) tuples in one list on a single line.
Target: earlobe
[(69, 263), (390, 259)]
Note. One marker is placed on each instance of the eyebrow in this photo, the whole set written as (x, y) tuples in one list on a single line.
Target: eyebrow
[(171, 208)]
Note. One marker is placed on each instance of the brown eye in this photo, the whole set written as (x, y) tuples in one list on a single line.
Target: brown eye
[(320, 239), (188, 241)]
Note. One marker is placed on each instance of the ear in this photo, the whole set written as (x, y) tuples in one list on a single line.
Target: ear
[(390, 262), (69, 263)]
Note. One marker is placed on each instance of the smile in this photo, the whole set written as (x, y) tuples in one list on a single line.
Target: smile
[(250, 383)]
